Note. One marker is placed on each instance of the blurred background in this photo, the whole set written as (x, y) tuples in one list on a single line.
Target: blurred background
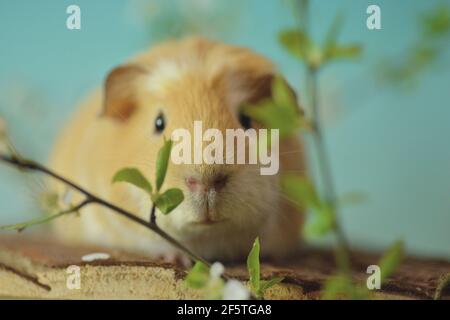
[(387, 114)]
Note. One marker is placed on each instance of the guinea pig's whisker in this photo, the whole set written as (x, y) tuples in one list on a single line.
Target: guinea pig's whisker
[(241, 201), (263, 203), (295, 171), (36, 189), (292, 151), (285, 197)]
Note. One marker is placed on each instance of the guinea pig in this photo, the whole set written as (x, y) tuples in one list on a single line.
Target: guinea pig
[(124, 125)]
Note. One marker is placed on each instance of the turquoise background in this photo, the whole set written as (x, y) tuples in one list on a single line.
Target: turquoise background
[(389, 143)]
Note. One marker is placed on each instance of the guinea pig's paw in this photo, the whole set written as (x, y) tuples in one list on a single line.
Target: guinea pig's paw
[(176, 258)]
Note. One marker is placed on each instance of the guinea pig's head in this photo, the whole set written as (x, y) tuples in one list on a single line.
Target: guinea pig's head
[(150, 101)]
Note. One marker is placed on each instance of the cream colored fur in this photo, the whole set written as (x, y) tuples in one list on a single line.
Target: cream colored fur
[(192, 79)]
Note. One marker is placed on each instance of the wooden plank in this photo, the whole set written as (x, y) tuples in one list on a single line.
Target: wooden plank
[(36, 266)]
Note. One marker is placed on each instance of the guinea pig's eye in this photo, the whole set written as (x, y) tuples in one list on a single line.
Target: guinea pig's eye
[(245, 120), (160, 123)]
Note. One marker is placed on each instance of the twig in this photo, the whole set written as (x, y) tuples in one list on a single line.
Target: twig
[(21, 226), (444, 282), (343, 252), (153, 215), (343, 258), (25, 164)]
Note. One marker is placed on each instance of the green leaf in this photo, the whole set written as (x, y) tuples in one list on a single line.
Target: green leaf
[(162, 162), (360, 292), (281, 112), (436, 22), (198, 277), (336, 287), (332, 50), (333, 32), (343, 52), (283, 96), (301, 191), (168, 200), (253, 268), (320, 223), (133, 176), (257, 285), (272, 116), (296, 42), (391, 260), (341, 287), (214, 289), (266, 284), (49, 201)]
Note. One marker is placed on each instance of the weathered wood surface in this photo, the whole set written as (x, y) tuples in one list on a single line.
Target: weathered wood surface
[(35, 267)]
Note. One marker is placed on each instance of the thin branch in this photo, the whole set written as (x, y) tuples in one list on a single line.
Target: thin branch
[(153, 215), (343, 251), (91, 198), (444, 282), (343, 258), (21, 226)]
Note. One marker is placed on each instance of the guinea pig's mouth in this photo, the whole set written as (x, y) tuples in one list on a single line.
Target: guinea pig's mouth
[(208, 222)]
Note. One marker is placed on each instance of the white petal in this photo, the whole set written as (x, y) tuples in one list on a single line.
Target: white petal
[(216, 270), (95, 256), (235, 290)]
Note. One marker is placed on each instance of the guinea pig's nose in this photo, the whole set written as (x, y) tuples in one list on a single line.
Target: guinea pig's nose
[(193, 184), (217, 182)]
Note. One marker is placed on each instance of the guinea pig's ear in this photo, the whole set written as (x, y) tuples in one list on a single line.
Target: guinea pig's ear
[(247, 78), (253, 87), (120, 91)]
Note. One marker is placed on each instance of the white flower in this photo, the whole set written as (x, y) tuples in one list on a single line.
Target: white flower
[(235, 290), (95, 256), (216, 270)]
